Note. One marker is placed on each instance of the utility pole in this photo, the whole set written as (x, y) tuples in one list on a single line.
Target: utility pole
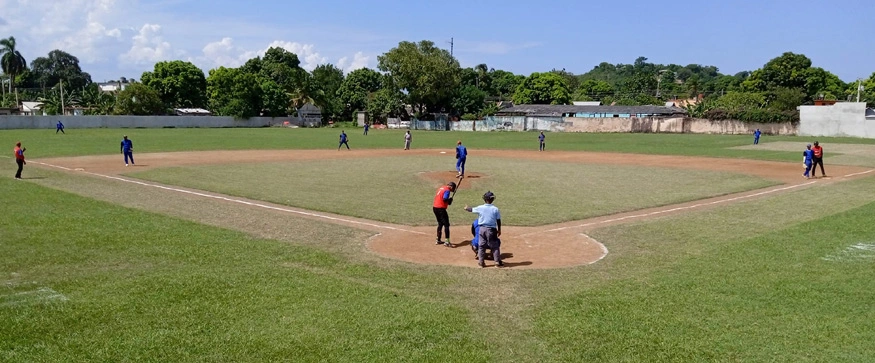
[(859, 89), (451, 47), (62, 97)]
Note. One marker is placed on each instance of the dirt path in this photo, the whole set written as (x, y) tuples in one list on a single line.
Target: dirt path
[(552, 246)]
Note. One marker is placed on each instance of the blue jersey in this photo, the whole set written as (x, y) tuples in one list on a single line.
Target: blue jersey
[(127, 145), (475, 227), (461, 152), (541, 137), (808, 154), (757, 134), (342, 137)]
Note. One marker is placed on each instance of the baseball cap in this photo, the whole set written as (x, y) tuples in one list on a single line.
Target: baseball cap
[(489, 195)]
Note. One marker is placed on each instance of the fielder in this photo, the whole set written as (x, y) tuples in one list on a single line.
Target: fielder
[(489, 222), (127, 148), (343, 140), (461, 157), (807, 157)]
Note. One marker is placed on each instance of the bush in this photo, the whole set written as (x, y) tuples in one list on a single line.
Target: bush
[(753, 115), (469, 117)]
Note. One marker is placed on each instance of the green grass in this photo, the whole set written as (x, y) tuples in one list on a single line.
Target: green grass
[(730, 285), (390, 190), (145, 287), (45, 143)]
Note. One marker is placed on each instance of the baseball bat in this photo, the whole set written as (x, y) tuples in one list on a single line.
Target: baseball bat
[(458, 185)]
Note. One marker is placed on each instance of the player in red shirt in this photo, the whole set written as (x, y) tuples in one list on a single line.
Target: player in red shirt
[(442, 200), (19, 158), (817, 160)]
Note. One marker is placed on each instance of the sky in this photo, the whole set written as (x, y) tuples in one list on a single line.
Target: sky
[(124, 38)]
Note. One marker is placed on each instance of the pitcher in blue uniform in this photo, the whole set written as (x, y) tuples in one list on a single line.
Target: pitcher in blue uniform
[(461, 157)]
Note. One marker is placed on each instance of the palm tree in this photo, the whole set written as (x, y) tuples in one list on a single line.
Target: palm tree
[(482, 70), (11, 60)]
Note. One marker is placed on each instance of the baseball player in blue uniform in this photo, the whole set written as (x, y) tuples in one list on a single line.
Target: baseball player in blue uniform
[(127, 148), (343, 140), (756, 136), (541, 138), (807, 157), (461, 157), (59, 127)]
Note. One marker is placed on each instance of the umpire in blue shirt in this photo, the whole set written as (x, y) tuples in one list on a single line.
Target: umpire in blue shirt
[(490, 229)]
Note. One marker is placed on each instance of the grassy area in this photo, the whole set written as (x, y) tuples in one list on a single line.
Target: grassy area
[(85, 280), (45, 143), (390, 190), (730, 285)]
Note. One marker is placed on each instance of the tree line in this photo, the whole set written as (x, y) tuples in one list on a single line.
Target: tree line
[(418, 79)]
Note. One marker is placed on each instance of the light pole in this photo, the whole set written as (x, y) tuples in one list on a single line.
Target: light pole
[(859, 88)]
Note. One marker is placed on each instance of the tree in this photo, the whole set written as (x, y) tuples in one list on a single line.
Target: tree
[(504, 83), (356, 88), (11, 60), (233, 92), (95, 101), (543, 88), (328, 79), (737, 101), (469, 100), (139, 99), (593, 90), (385, 103), (482, 76), (274, 101), (790, 70), (180, 84), (428, 74), (56, 99), (821, 82), (59, 66)]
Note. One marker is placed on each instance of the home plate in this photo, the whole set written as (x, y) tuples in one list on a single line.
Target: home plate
[(443, 152)]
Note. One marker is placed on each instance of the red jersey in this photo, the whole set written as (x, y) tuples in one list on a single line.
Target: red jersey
[(439, 197), (19, 154), (818, 151)]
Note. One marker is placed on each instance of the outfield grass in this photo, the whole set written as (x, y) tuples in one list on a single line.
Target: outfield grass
[(390, 190), (85, 280), (45, 143)]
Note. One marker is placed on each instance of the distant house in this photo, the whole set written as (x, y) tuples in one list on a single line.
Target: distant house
[(587, 103), (32, 108), (6, 111), (310, 111), (590, 111), (113, 86), (192, 112)]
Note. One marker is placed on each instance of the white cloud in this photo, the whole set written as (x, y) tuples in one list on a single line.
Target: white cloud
[(148, 46), (359, 60), (225, 53)]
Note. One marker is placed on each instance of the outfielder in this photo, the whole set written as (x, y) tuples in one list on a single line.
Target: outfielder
[(127, 148), (489, 222)]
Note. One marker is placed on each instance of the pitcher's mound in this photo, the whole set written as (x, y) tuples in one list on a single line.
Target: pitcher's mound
[(443, 177)]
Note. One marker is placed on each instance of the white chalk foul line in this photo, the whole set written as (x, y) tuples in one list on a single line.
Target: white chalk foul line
[(602, 246), (664, 211), (310, 214)]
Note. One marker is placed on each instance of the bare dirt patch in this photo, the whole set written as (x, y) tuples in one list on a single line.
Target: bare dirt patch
[(444, 177), (552, 246)]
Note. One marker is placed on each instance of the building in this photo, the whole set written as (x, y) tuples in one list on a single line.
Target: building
[(32, 109), (590, 111), (192, 112), (113, 86)]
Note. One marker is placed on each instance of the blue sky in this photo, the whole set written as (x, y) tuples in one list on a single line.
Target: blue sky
[(116, 38)]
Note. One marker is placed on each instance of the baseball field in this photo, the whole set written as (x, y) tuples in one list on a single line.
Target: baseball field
[(272, 245)]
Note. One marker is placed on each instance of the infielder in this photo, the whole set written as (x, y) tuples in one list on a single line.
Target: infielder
[(807, 157), (127, 148)]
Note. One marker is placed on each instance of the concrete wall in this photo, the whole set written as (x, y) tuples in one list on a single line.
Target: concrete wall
[(841, 119), (75, 122), (732, 127), (619, 124)]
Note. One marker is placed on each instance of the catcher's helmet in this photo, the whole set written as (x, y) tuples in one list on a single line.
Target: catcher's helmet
[(488, 196)]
